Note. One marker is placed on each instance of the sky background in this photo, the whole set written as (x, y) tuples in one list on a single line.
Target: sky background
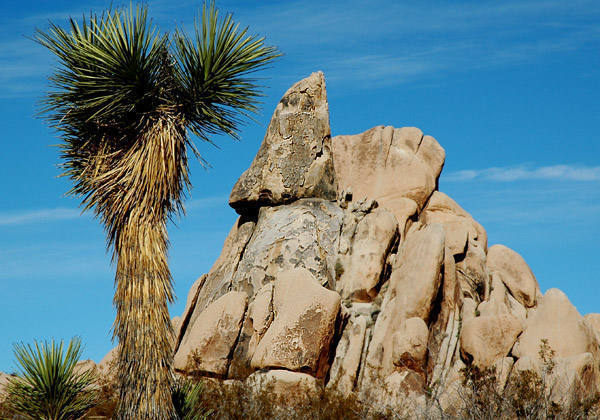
[(510, 89)]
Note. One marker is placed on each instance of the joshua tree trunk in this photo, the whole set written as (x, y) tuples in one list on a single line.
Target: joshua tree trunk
[(143, 325), (149, 178)]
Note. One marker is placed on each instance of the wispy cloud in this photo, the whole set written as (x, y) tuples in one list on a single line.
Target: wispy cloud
[(378, 43), (524, 173), (38, 216), (57, 214), (207, 202)]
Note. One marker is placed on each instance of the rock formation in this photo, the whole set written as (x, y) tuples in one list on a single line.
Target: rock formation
[(348, 269)]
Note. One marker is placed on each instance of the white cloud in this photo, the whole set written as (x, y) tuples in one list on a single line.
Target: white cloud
[(522, 173), (38, 216), (206, 202), (57, 214), (375, 43)]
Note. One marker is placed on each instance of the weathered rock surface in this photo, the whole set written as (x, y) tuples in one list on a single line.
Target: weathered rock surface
[(345, 368), (391, 165), (557, 321), (501, 301), (485, 339), (258, 318), (4, 379), (208, 343), (219, 280), (576, 374), (472, 272), (593, 320), (446, 322), (304, 234), (413, 286), (409, 344), (298, 338), (503, 367), (292, 386), (515, 274), (361, 267), (458, 224), (294, 160)]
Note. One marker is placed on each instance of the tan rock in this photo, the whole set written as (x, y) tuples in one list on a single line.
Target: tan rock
[(372, 239), (441, 344), (525, 364), (259, 317), (502, 368), (298, 338), (472, 272), (557, 321), (4, 379), (403, 392), (413, 286), (515, 272), (389, 165), (574, 377), (345, 367), (294, 160), (593, 320), (485, 339), (450, 391), (291, 387), (84, 366), (458, 224), (208, 343), (468, 309), (176, 322), (410, 344), (501, 301), (417, 272), (190, 304), (108, 365)]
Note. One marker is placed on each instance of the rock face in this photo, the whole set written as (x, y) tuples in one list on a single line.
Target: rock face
[(360, 266), (294, 160), (557, 321), (515, 274), (299, 337), (348, 269), (211, 338), (458, 224), (485, 339), (398, 167)]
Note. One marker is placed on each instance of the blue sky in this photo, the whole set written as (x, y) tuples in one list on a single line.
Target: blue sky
[(510, 89)]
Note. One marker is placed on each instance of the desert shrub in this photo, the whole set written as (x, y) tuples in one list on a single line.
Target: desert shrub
[(107, 397), (526, 395), (339, 269), (47, 386), (236, 400)]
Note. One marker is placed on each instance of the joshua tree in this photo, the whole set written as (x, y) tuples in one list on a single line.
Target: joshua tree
[(127, 102)]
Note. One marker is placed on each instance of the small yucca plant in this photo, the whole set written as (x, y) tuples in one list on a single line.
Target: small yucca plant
[(47, 385), (187, 400)]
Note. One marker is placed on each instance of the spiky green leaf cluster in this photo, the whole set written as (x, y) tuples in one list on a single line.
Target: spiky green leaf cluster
[(117, 69), (213, 70), (187, 400), (47, 385)]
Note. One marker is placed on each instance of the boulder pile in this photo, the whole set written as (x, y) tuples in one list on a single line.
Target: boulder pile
[(347, 269)]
